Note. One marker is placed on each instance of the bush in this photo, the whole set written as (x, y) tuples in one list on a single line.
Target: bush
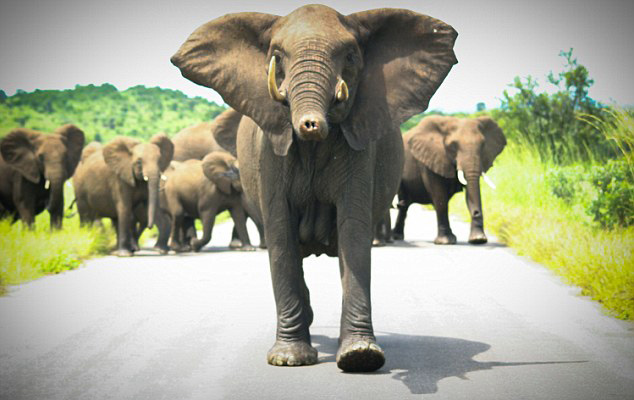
[(614, 205)]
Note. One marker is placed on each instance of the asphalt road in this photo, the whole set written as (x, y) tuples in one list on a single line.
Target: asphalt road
[(457, 322)]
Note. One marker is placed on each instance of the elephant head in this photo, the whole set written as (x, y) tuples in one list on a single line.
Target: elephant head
[(137, 163), (46, 159), (459, 148), (315, 69), (222, 169)]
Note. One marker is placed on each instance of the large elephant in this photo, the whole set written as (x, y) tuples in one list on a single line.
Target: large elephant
[(320, 150), (120, 179), (33, 169), (203, 189), (443, 154)]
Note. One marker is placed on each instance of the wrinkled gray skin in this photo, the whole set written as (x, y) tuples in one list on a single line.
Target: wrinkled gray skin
[(321, 165), (434, 152), (121, 181), (194, 143), (203, 189), (28, 160)]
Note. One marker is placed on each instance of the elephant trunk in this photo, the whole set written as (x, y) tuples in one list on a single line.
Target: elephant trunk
[(312, 84), (55, 200), (474, 204), (154, 180)]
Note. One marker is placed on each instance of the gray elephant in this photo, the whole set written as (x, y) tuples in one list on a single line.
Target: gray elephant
[(442, 155), (203, 189), (121, 181), (194, 143), (320, 151), (33, 169)]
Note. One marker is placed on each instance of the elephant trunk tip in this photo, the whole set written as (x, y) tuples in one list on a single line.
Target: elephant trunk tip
[(312, 127)]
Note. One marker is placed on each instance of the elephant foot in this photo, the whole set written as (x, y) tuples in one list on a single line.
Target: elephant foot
[(477, 238), (398, 236), (161, 250), (135, 247), (359, 354), (378, 243), (262, 245), (445, 239), (123, 253), (235, 244), (246, 247), (292, 354), (179, 248), (196, 245)]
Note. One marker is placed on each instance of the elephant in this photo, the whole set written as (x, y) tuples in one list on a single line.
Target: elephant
[(442, 155), (194, 143), (33, 169), (203, 189), (319, 148), (120, 181)]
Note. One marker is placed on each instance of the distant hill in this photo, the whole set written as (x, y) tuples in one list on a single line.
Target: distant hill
[(103, 112)]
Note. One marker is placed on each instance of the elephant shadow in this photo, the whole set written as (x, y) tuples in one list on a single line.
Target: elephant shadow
[(420, 362)]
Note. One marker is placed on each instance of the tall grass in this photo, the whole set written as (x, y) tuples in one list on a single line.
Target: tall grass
[(29, 254), (525, 214)]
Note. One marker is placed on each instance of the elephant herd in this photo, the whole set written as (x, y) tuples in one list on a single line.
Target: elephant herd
[(310, 149)]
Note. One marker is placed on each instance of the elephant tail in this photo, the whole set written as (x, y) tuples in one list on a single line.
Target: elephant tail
[(70, 207)]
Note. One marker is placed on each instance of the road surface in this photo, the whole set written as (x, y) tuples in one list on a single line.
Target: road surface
[(456, 322)]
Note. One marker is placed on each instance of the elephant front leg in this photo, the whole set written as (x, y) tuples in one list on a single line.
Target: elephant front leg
[(294, 315), (358, 351), (208, 218), (436, 186), (124, 231), (399, 226)]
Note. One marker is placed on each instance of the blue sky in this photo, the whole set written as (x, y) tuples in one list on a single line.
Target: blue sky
[(57, 44)]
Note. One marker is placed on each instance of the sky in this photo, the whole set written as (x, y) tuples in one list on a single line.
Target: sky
[(58, 44)]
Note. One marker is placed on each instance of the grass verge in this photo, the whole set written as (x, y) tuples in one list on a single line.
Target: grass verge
[(524, 214), (29, 254)]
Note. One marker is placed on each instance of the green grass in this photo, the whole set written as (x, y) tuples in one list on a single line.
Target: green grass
[(29, 254), (525, 214)]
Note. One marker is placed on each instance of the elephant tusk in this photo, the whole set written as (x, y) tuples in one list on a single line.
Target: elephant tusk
[(488, 181), (164, 177), (342, 91), (145, 178), (47, 184), (461, 177), (273, 90)]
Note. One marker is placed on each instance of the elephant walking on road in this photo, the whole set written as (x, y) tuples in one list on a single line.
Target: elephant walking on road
[(443, 155), (203, 189), (319, 148), (33, 169), (121, 181)]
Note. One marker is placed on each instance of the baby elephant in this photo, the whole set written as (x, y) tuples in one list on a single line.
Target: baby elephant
[(443, 155), (203, 189)]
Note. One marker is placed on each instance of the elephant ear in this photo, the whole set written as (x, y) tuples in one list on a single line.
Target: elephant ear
[(225, 130), (427, 142), (217, 168), (74, 139), (18, 151), (407, 57), (494, 141), (225, 54), (118, 156), (166, 147)]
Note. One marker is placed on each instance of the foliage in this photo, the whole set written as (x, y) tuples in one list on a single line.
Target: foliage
[(103, 112), (526, 214), (551, 123), (614, 205)]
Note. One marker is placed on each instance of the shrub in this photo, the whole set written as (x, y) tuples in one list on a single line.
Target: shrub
[(614, 205)]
